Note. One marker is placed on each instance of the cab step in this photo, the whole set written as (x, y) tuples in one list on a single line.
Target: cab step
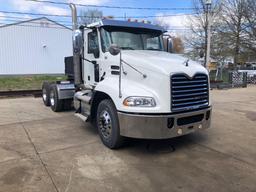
[(82, 117), (84, 96)]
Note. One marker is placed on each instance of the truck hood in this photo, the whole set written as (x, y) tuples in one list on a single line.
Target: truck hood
[(162, 62)]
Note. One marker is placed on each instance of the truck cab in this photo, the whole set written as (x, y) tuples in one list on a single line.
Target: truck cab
[(126, 82)]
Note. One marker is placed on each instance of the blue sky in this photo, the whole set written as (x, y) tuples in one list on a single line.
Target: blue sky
[(25, 6)]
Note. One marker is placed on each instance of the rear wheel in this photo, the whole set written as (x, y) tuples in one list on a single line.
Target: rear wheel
[(55, 102), (108, 125), (46, 93)]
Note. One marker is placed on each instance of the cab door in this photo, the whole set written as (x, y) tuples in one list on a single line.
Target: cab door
[(91, 57)]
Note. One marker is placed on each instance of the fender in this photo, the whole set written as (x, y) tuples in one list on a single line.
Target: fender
[(66, 90), (110, 87)]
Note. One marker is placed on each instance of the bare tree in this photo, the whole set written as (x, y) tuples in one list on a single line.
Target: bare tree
[(197, 40), (161, 21), (90, 16), (233, 17), (233, 29), (178, 45), (250, 20)]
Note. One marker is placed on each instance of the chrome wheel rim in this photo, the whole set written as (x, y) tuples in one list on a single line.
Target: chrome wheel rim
[(44, 95), (52, 98), (105, 124)]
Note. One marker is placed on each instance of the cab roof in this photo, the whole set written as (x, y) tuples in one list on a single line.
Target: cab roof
[(119, 23)]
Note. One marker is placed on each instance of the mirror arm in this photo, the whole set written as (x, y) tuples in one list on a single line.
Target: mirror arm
[(120, 75), (143, 74), (167, 46), (93, 62)]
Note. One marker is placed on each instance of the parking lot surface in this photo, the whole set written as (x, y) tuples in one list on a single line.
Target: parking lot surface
[(55, 152)]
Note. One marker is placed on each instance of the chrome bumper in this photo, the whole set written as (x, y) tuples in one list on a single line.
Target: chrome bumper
[(163, 126)]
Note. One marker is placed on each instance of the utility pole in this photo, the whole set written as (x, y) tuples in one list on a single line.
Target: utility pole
[(208, 4)]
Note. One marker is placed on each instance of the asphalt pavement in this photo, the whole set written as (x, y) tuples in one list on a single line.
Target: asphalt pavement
[(55, 152)]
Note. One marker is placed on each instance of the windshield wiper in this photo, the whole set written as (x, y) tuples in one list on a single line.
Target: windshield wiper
[(127, 48)]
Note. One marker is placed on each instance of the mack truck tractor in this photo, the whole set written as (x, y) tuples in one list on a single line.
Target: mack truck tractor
[(123, 79)]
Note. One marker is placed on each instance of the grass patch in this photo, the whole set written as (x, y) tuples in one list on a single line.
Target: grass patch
[(8, 83), (225, 76)]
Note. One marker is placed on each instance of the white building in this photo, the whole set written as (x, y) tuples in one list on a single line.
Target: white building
[(36, 46)]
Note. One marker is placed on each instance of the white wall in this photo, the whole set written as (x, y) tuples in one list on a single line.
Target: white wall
[(22, 48)]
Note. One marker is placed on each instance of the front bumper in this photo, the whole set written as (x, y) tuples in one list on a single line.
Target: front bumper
[(163, 126)]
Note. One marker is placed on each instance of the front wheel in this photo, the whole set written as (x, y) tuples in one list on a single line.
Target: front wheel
[(108, 125)]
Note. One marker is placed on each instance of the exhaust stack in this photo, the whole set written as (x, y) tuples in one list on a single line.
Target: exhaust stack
[(74, 16), (76, 52)]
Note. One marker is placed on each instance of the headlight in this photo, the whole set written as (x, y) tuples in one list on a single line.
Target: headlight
[(139, 102)]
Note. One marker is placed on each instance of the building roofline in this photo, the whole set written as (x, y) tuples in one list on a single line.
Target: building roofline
[(35, 19)]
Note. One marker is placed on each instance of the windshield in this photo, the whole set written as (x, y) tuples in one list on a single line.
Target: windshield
[(131, 38)]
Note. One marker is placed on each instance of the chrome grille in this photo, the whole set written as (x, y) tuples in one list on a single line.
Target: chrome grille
[(189, 94)]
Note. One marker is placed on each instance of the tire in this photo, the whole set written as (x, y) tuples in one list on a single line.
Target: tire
[(46, 93), (108, 125), (55, 103)]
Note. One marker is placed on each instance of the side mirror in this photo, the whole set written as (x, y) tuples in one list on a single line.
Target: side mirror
[(201, 54), (77, 41), (96, 53), (114, 49), (168, 44)]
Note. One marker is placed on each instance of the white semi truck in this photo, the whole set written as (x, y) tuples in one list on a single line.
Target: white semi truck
[(122, 78)]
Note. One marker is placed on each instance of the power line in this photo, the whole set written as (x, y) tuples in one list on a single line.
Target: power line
[(15, 20), (157, 16), (12, 17), (117, 7), (24, 25), (38, 22), (35, 14), (66, 23), (55, 27), (19, 19), (69, 16)]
